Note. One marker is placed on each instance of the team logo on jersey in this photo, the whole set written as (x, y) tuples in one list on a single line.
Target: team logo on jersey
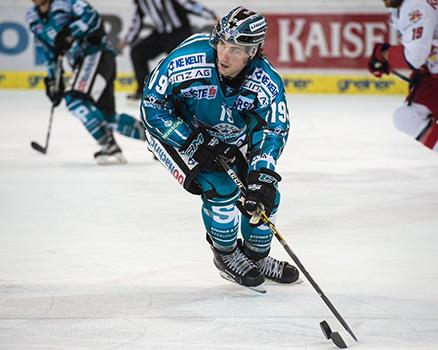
[(187, 61), (415, 16), (200, 92), (228, 132), (242, 103), (266, 81), (190, 74)]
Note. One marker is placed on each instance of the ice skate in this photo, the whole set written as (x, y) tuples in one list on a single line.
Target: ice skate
[(278, 271), (110, 154), (236, 267), (273, 269)]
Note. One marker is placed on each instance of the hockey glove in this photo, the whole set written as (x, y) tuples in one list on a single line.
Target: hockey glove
[(63, 41), (204, 149), (261, 193), (53, 92), (378, 64)]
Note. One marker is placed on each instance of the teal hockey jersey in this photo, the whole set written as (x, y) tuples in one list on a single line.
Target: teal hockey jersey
[(185, 91), (84, 23)]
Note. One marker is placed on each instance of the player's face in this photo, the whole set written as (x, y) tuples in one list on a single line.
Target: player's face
[(231, 58)]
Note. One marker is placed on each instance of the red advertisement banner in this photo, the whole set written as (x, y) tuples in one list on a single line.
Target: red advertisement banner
[(324, 40)]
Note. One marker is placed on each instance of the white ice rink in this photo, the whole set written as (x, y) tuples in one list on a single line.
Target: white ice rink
[(95, 257)]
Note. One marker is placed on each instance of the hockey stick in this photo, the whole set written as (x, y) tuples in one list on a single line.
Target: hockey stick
[(401, 76), (282, 241), (58, 76)]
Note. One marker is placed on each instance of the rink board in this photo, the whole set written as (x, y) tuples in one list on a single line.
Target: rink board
[(294, 83)]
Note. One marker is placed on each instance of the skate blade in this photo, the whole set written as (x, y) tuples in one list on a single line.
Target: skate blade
[(275, 283), (259, 289), (116, 158)]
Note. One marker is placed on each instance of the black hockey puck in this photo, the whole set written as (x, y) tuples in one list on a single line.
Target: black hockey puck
[(334, 336), (325, 329)]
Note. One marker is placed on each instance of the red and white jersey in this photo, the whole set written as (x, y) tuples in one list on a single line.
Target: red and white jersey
[(417, 24)]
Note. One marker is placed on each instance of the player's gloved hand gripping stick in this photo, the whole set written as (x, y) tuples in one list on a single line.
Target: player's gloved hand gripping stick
[(56, 89), (264, 218)]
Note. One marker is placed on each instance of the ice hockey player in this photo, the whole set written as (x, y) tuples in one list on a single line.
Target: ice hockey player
[(217, 96), (74, 29), (417, 24)]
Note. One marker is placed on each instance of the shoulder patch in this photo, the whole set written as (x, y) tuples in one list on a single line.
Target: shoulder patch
[(415, 16)]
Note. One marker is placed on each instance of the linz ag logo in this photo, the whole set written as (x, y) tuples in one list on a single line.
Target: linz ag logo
[(191, 74), (200, 92)]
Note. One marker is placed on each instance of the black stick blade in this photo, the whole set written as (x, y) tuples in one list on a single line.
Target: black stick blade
[(337, 340), (326, 330), (38, 147)]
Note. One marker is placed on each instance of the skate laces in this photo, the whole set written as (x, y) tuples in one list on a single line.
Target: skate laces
[(238, 262), (270, 267)]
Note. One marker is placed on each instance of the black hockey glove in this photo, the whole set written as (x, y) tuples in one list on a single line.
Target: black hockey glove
[(377, 64), (63, 41), (260, 194), (204, 149), (53, 92)]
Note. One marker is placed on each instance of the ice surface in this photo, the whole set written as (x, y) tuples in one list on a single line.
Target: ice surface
[(95, 257)]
